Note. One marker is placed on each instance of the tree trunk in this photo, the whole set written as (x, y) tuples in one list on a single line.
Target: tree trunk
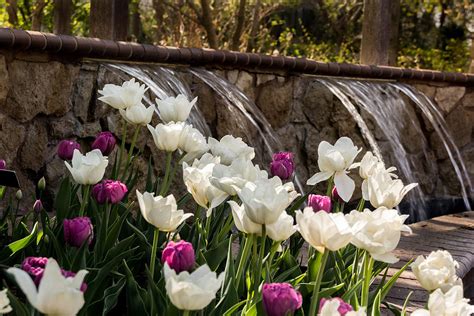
[(252, 43), (62, 16), (109, 19), (380, 32), (37, 16), (208, 24), (12, 10), (471, 67), (159, 12), (239, 27)]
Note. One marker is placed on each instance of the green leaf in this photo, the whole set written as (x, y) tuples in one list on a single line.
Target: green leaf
[(234, 308), (135, 303), (215, 256), (19, 308), (348, 295), (391, 282), (24, 242), (63, 200), (327, 292), (111, 295), (376, 305)]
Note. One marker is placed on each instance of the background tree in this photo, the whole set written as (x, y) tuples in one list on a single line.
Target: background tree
[(432, 34)]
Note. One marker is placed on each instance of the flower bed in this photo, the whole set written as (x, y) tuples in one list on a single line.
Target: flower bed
[(109, 248)]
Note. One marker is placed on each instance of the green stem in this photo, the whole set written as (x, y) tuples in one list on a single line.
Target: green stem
[(132, 147), (360, 206), (164, 184), (154, 248), (208, 229), (243, 259), (258, 274), (368, 265), (330, 186), (85, 199), (122, 147), (186, 313), (321, 263)]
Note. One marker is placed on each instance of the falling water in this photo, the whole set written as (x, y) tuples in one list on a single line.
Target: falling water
[(436, 119), (235, 98), (390, 112), (162, 82)]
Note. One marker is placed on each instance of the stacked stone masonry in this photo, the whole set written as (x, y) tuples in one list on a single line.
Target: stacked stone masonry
[(44, 100)]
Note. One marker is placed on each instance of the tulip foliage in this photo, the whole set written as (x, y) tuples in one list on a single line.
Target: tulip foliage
[(228, 238)]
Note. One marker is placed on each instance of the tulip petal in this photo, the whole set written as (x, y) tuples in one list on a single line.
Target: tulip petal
[(318, 177), (345, 185), (385, 257), (26, 284), (79, 279)]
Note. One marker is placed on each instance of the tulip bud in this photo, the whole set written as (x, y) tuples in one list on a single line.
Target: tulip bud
[(319, 203), (19, 195), (77, 231), (335, 196), (3, 164), (66, 149), (42, 184), (282, 165), (280, 299), (179, 256), (105, 142), (109, 191), (343, 308), (38, 206)]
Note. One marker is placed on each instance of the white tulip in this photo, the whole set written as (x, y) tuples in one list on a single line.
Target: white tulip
[(173, 109), (122, 97), (335, 160), (383, 190), (451, 303), (167, 137), (4, 302), (242, 221), (378, 231), (192, 142), (323, 230), (88, 168), (264, 202), (192, 291), (56, 294), (437, 271), (288, 187), (280, 230), (197, 180), (331, 308), (161, 212), (138, 114), (233, 178), (230, 148)]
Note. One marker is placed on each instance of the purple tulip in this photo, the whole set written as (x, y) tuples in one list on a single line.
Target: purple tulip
[(179, 256), (66, 149), (109, 191), (335, 196), (319, 203), (77, 231), (35, 266), (38, 206), (3, 164), (343, 309), (105, 142), (282, 165), (280, 299)]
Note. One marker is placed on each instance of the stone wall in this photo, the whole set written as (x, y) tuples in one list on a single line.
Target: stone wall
[(43, 100)]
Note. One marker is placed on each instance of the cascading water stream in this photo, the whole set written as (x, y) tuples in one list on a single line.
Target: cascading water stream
[(162, 82), (390, 112), (436, 119), (235, 98)]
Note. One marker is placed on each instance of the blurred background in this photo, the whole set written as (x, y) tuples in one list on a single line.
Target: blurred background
[(434, 34)]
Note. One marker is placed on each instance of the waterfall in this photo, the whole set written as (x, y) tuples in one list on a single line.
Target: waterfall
[(386, 104)]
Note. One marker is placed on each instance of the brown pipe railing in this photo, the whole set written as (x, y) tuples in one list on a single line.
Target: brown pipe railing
[(84, 47)]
